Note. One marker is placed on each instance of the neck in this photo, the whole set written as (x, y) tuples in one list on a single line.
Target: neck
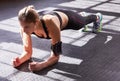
[(38, 26)]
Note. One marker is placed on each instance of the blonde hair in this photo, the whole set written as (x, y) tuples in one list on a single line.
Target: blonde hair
[(28, 14)]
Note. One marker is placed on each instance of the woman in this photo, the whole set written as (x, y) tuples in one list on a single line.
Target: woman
[(49, 26)]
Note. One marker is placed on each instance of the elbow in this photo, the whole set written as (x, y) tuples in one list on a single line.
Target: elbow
[(56, 57)]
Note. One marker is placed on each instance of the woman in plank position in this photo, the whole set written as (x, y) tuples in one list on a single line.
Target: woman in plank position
[(49, 26)]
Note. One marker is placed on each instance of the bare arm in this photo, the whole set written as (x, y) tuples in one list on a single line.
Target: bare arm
[(27, 46), (54, 32), (27, 49)]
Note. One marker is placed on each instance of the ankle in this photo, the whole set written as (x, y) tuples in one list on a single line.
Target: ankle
[(98, 19)]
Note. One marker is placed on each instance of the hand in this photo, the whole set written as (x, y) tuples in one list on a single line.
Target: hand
[(36, 66), (16, 62)]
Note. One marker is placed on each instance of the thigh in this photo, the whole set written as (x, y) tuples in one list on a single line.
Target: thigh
[(76, 21)]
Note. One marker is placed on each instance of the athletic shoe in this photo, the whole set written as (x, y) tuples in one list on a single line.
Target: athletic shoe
[(97, 26), (84, 15)]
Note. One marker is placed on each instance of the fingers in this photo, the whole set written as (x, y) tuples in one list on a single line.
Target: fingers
[(15, 62), (32, 66)]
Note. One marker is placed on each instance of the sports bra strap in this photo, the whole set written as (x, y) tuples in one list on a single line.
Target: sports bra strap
[(60, 19), (44, 27)]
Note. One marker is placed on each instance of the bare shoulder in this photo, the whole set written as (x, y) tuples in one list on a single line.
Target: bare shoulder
[(24, 33), (52, 23), (48, 17), (53, 28)]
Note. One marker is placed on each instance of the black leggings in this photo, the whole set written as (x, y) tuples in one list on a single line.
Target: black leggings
[(76, 21)]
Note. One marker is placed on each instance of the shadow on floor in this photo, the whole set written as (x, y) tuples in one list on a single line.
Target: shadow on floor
[(4, 79), (99, 58)]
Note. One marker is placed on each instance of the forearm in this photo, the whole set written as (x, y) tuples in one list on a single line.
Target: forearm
[(51, 60), (56, 50), (24, 57)]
